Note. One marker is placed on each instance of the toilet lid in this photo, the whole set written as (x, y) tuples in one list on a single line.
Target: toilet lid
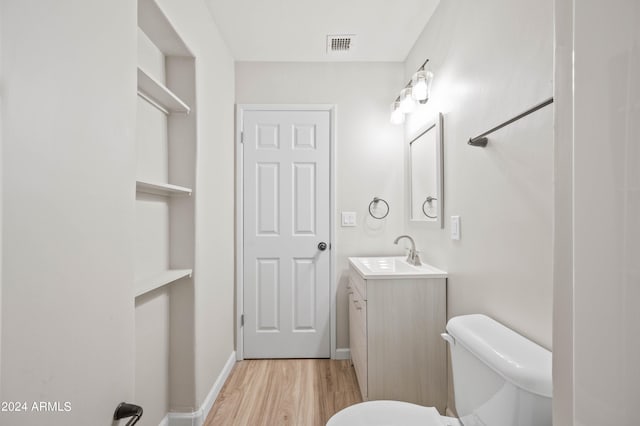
[(386, 413)]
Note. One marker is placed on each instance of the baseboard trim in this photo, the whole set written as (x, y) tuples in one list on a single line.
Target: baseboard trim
[(197, 418), (343, 353), (185, 419), (217, 387)]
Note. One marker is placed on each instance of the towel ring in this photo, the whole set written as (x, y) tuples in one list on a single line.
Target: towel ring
[(373, 204), (428, 200)]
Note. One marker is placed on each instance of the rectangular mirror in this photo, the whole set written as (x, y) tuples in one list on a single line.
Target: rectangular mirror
[(425, 176)]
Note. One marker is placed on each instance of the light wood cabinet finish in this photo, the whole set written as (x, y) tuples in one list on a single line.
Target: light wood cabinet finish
[(396, 348), (358, 329)]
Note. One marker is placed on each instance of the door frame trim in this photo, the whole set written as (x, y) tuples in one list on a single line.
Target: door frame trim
[(240, 110)]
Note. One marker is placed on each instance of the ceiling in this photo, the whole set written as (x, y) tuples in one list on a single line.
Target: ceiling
[(296, 30)]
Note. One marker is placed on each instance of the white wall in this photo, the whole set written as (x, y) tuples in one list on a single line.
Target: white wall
[(563, 217), (369, 151), (69, 145), (493, 60), (1, 175), (214, 216), (600, 135), (152, 363), (68, 105)]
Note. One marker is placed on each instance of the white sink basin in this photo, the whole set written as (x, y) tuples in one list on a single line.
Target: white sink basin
[(393, 267)]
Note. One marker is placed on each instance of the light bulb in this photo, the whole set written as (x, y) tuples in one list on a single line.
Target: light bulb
[(429, 83), (397, 117), (419, 90), (407, 104), (421, 83)]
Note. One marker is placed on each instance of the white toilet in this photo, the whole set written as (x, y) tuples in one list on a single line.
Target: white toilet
[(500, 379)]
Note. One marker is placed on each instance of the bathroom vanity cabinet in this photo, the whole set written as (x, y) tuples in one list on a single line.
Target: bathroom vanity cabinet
[(394, 329)]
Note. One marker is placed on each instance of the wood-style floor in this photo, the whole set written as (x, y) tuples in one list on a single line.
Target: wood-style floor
[(292, 392)]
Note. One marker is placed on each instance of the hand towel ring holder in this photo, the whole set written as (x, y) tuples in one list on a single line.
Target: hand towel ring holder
[(429, 200), (375, 202)]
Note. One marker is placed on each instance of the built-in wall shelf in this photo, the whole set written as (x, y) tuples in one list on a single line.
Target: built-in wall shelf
[(164, 233), (167, 277), (164, 189), (159, 95)]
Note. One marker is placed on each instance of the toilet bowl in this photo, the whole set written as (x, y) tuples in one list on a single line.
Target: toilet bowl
[(500, 378), (390, 413)]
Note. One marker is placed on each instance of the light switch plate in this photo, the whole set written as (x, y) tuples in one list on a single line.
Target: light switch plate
[(455, 227), (348, 218)]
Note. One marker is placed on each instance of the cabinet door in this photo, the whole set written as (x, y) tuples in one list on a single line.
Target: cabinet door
[(406, 355), (358, 340)]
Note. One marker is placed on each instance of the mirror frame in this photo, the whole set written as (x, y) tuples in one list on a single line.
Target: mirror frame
[(437, 126)]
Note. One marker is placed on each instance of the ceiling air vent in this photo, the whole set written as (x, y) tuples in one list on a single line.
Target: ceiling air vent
[(340, 43)]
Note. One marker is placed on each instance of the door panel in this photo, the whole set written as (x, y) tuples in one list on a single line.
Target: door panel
[(304, 295), (268, 198), (268, 291), (304, 203), (286, 214)]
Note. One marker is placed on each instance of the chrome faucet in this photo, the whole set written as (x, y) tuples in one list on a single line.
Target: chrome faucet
[(412, 258)]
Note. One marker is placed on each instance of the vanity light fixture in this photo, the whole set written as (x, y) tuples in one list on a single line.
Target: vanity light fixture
[(397, 116), (421, 85), (416, 91), (407, 104)]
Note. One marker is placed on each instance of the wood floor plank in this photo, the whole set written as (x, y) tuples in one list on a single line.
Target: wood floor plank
[(292, 392)]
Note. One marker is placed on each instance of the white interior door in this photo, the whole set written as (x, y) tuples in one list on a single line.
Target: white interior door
[(286, 217)]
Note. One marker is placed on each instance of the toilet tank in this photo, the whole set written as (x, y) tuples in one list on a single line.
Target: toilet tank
[(500, 378)]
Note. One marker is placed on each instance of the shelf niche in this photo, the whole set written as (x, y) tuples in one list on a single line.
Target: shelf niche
[(164, 284)]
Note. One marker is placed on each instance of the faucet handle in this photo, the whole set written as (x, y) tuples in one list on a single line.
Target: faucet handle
[(411, 256), (416, 259)]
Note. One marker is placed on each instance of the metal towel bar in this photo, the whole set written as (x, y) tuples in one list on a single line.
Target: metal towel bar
[(481, 140)]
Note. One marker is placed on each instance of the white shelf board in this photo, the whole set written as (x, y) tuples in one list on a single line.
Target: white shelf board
[(159, 95), (164, 189), (167, 277)]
